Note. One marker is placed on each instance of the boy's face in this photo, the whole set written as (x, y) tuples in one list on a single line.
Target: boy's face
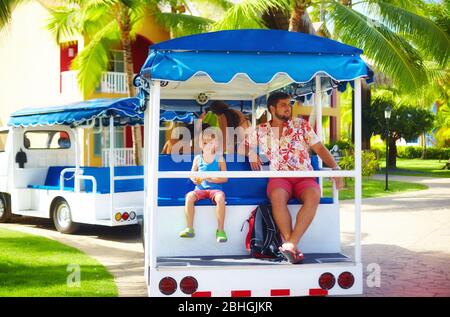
[(208, 143)]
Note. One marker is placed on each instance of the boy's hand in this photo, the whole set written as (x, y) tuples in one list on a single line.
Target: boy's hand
[(197, 180)]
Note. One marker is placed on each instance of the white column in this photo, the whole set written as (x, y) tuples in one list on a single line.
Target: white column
[(358, 169), (318, 113), (151, 180)]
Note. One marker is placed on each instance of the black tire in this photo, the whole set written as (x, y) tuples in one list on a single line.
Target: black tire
[(5, 212), (62, 217)]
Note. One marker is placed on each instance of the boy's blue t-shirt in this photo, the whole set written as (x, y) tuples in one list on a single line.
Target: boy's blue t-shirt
[(205, 167)]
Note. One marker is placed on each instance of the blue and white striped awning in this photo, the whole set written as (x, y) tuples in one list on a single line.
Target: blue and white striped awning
[(246, 64), (126, 110)]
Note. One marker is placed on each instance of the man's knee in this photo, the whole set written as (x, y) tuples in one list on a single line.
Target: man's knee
[(311, 196), (279, 196)]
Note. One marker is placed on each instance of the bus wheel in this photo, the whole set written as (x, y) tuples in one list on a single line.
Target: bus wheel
[(5, 213), (62, 218)]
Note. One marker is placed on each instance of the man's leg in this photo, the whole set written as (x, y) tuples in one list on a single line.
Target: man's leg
[(310, 197), (279, 198)]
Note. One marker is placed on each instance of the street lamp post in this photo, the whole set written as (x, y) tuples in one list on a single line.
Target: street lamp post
[(387, 116)]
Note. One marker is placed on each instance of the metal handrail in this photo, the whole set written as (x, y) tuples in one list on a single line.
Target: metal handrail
[(61, 176), (90, 178)]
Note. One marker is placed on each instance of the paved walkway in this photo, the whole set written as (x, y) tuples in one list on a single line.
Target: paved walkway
[(407, 235), (119, 249)]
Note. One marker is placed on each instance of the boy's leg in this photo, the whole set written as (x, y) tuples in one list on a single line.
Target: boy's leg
[(189, 210), (219, 199)]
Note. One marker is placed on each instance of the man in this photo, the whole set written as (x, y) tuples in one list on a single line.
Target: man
[(286, 143)]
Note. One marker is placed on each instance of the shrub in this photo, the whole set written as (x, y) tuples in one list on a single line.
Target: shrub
[(414, 152), (369, 162)]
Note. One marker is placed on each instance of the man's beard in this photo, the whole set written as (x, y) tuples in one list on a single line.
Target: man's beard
[(282, 117)]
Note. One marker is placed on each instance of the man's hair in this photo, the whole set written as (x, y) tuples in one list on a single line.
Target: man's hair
[(275, 97)]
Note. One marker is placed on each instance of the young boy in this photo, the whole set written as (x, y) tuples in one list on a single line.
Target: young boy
[(206, 188)]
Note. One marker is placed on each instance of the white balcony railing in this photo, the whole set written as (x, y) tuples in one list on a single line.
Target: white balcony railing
[(111, 82), (124, 157)]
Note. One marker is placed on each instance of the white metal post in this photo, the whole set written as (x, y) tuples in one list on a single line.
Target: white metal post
[(358, 170), (77, 162), (150, 213), (318, 113), (253, 113), (147, 155), (112, 162)]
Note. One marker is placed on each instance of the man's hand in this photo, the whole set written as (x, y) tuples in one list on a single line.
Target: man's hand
[(255, 161), (339, 182)]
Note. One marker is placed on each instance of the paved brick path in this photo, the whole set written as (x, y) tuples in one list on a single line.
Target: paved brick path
[(408, 236)]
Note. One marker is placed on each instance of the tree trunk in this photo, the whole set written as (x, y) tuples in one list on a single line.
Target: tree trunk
[(295, 21), (365, 105), (424, 146), (392, 153), (124, 21)]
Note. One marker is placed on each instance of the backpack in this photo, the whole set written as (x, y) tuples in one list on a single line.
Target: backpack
[(263, 238)]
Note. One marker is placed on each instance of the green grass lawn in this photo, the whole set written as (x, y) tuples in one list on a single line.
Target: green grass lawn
[(36, 266), (372, 188), (418, 167)]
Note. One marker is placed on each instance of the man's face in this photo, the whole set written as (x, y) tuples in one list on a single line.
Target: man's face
[(283, 109)]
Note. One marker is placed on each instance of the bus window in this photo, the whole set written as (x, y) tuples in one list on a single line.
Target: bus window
[(46, 140)]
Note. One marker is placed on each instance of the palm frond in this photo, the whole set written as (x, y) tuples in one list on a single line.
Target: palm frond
[(6, 8), (392, 54), (422, 30), (183, 24), (64, 22), (222, 4), (248, 14), (94, 58)]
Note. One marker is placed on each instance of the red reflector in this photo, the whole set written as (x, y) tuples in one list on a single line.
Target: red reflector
[(327, 281), (201, 294), (125, 216), (241, 293), (188, 285), (346, 280), (280, 292), (318, 292), (167, 286)]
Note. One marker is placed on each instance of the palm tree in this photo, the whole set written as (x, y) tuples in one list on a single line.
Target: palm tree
[(396, 35), (105, 24), (6, 8)]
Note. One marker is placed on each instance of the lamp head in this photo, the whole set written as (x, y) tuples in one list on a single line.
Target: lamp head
[(387, 112)]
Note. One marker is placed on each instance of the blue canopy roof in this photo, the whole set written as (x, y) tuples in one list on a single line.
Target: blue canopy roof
[(180, 116), (259, 54), (79, 113)]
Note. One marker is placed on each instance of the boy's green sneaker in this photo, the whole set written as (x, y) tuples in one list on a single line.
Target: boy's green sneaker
[(187, 233), (221, 236)]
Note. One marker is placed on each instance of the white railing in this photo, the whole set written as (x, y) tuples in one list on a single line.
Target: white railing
[(110, 82), (123, 157)]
